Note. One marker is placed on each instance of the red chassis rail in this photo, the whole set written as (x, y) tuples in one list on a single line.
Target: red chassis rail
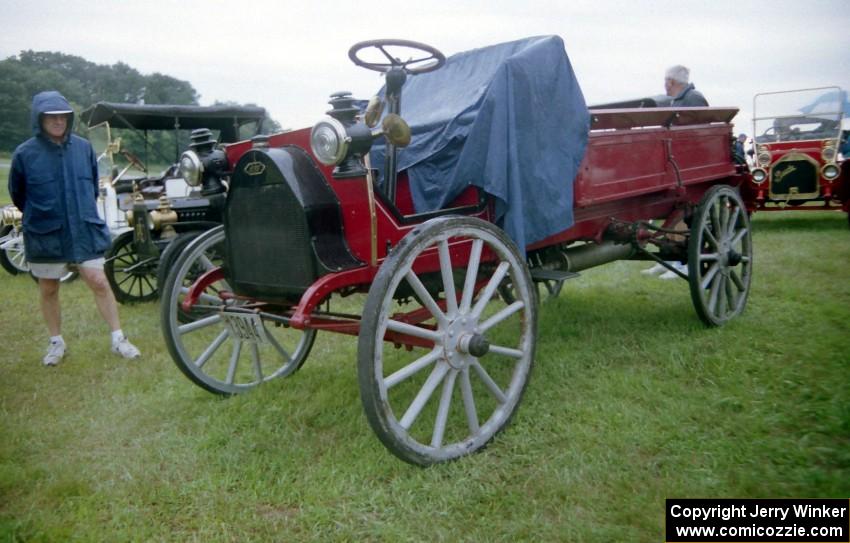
[(640, 164)]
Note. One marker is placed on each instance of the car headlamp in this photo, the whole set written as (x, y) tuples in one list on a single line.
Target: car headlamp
[(828, 153), (764, 158), (191, 168), (830, 171), (759, 176), (329, 141)]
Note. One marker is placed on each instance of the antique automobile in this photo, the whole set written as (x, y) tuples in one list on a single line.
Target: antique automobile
[(12, 253), (431, 232), (161, 208), (798, 160)]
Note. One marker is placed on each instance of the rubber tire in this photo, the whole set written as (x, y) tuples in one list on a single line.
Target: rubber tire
[(698, 270), (183, 354), (374, 391), (171, 252)]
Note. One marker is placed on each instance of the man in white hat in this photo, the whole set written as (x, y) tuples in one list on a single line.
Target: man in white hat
[(677, 86), (54, 182)]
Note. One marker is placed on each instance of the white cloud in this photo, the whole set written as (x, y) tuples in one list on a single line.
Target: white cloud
[(289, 56)]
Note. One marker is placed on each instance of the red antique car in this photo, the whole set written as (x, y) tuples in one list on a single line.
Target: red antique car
[(798, 162), (447, 330)]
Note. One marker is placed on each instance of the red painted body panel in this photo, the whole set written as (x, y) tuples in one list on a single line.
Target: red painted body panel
[(640, 165)]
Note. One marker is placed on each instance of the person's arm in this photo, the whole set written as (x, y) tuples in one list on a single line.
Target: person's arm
[(17, 182)]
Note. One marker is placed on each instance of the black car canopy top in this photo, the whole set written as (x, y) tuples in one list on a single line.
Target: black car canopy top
[(225, 119)]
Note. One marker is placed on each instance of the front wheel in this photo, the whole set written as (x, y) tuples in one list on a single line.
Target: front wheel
[(131, 278), (442, 361), (720, 256), (209, 349)]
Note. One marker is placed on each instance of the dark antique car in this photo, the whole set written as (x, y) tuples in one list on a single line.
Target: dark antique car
[(162, 209), (12, 256), (432, 242), (798, 162)]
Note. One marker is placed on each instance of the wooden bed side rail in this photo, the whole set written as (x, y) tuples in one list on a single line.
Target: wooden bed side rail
[(619, 119)]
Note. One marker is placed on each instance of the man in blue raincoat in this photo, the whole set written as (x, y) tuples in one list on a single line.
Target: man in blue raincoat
[(53, 181)]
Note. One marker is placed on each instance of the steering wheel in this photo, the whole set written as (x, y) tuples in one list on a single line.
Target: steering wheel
[(134, 160), (415, 65)]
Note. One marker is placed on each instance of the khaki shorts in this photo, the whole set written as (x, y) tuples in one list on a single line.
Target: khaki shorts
[(58, 270)]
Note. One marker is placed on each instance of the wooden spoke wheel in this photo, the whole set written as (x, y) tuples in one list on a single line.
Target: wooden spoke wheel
[(210, 350), (720, 256), (171, 252), (132, 279), (443, 368), (166, 261)]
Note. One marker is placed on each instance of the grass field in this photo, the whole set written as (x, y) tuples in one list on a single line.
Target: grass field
[(632, 401), (5, 160)]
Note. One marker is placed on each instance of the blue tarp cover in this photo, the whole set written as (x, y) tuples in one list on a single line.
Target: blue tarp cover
[(510, 119)]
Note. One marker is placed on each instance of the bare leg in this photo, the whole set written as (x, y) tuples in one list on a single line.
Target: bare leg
[(103, 297), (49, 300)]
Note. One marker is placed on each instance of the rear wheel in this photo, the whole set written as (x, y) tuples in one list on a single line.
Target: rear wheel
[(720, 256), (171, 252), (441, 368), (210, 351), (131, 279)]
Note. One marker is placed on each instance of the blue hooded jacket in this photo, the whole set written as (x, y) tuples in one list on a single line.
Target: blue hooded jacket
[(55, 186)]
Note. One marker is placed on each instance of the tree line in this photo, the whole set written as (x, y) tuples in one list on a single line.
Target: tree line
[(83, 83)]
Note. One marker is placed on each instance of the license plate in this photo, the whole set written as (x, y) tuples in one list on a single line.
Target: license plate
[(245, 326)]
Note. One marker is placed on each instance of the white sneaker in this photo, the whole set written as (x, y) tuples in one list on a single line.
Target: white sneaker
[(126, 349), (55, 352), (655, 270), (670, 275)]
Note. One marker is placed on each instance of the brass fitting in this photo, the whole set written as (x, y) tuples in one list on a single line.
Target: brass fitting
[(11, 216), (163, 215)]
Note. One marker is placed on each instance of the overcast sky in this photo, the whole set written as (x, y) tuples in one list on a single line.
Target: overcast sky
[(289, 56)]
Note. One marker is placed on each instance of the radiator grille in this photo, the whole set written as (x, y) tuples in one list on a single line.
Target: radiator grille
[(267, 239), (797, 177)]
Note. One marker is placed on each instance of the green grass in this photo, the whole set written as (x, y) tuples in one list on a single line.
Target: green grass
[(5, 160), (632, 401)]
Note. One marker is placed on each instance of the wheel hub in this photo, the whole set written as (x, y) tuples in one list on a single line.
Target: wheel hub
[(733, 257), (474, 344), (462, 342), (724, 254)]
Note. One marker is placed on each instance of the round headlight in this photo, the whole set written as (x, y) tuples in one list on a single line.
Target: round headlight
[(764, 158), (191, 168), (329, 141), (828, 154), (830, 171), (759, 175)]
